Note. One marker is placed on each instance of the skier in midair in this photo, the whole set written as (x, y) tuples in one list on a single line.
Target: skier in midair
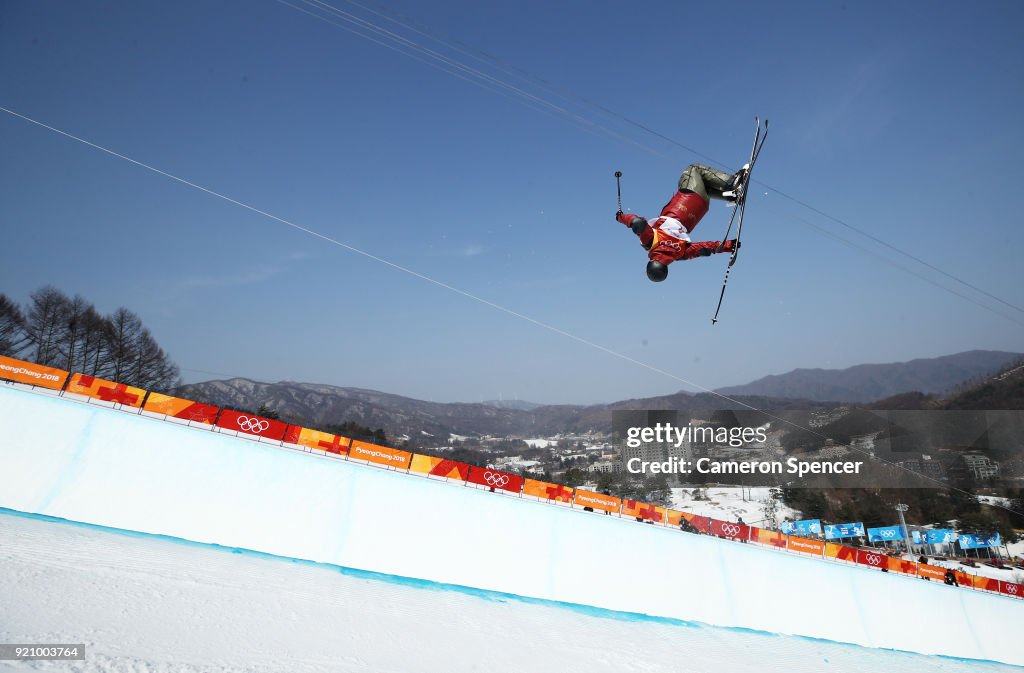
[(667, 239)]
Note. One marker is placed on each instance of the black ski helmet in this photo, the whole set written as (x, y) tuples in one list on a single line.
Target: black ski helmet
[(657, 271)]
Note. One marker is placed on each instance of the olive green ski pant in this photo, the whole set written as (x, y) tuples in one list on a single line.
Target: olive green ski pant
[(705, 181)]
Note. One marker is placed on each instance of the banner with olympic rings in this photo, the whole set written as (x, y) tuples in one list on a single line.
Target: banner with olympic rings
[(491, 478), (872, 559), (439, 467), (177, 407), (547, 491), (316, 439), (31, 373), (108, 391), (1011, 589), (381, 455), (886, 533), (251, 424), (737, 531)]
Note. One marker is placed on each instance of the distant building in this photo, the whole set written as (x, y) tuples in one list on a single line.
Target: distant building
[(979, 465), (924, 466), (608, 466)]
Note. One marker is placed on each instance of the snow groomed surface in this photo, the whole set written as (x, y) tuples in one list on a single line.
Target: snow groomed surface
[(151, 604), (92, 464)]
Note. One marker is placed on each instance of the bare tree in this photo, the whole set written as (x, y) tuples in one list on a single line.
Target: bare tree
[(93, 352), (45, 322), (13, 338), (153, 369), (125, 333), (71, 334)]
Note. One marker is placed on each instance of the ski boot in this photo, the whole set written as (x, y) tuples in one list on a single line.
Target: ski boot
[(738, 185)]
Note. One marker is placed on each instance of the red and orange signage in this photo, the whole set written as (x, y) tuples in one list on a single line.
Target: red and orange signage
[(872, 559), (805, 545), (31, 373), (108, 391), (439, 467), (547, 491), (486, 476), (643, 510), (380, 455), (315, 439), (251, 424), (176, 407), (979, 582), (931, 572), (841, 552), (767, 537), (737, 531), (605, 503)]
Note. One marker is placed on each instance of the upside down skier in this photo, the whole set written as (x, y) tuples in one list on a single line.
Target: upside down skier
[(667, 239)]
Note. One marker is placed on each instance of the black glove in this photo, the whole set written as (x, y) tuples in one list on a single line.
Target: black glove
[(638, 225)]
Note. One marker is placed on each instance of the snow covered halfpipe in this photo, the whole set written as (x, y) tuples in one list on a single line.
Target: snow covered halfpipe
[(92, 464)]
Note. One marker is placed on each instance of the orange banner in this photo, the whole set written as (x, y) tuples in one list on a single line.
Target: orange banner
[(380, 455), (31, 373), (767, 537), (643, 510), (315, 439), (978, 582), (841, 552), (675, 517), (158, 403), (805, 546), (547, 491), (108, 391), (439, 467), (931, 572), (605, 503), (904, 566)]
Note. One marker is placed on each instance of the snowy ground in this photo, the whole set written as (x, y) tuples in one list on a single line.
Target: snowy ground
[(726, 503), (149, 604)]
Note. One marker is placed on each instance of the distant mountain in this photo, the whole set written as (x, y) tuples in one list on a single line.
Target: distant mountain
[(521, 405), (319, 405), (865, 383), (1004, 390), (803, 390)]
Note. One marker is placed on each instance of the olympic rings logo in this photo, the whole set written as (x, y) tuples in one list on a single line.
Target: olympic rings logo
[(887, 533), (873, 559), (496, 479), (732, 530), (253, 425), (1011, 589)]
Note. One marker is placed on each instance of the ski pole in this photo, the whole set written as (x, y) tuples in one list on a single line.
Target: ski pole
[(618, 187)]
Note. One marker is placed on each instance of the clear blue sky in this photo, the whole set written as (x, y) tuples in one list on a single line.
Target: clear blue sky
[(902, 120)]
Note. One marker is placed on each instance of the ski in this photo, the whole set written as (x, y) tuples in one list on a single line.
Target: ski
[(740, 208)]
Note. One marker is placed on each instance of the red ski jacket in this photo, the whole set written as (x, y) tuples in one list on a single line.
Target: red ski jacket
[(667, 238)]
